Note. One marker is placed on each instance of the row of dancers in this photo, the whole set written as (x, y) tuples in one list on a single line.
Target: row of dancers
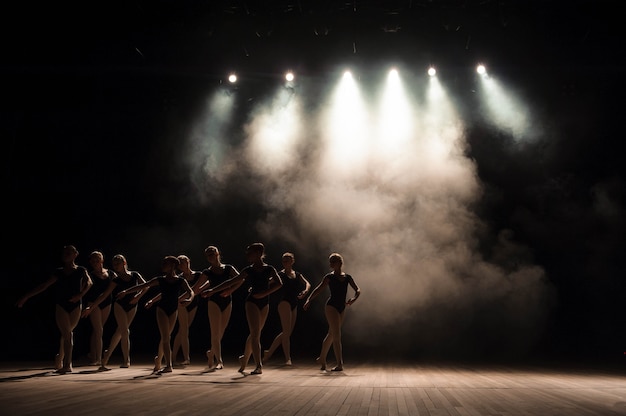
[(93, 293)]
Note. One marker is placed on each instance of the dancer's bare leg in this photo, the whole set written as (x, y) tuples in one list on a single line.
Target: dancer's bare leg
[(218, 320), (191, 315), (181, 341), (127, 319), (287, 323), (98, 317), (166, 324), (326, 344), (256, 320), (247, 353), (335, 320), (293, 314), (66, 322), (121, 334)]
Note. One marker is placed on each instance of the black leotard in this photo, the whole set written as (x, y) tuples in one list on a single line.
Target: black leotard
[(194, 302), (67, 286), (338, 290), (170, 290), (123, 284), (292, 286), (99, 287), (259, 281), (216, 279)]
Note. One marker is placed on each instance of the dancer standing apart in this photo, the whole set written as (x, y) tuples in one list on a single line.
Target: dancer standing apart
[(71, 283), (262, 280), (295, 287), (338, 282), (98, 316), (124, 309), (219, 306), (171, 286)]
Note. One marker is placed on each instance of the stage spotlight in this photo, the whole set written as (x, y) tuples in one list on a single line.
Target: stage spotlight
[(289, 76), (431, 71), (481, 69), (232, 78)]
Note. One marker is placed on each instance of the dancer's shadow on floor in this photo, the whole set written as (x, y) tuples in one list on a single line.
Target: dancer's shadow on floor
[(47, 373)]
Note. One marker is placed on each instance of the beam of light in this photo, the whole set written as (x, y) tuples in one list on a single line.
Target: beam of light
[(442, 139), (503, 109), (206, 148), (395, 127), (346, 128), (273, 132)]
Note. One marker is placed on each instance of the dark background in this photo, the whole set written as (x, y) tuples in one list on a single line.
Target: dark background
[(94, 96)]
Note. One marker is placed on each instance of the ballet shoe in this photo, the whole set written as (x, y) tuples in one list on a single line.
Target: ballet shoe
[(167, 369), (337, 368), (103, 368), (257, 370)]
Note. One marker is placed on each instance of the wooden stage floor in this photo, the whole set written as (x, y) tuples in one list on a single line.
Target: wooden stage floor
[(362, 389)]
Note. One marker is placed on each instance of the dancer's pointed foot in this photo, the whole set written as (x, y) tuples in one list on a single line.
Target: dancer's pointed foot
[(242, 364), (157, 364), (257, 370), (167, 369), (337, 368), (103, 368), (321, 363), (210, 358), (288, 362), (266, 355), (217, 366)]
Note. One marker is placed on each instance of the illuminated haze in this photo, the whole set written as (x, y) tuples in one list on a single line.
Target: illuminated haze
[(381, 175)]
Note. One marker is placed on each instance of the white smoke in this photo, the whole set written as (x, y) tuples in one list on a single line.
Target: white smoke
[(402, 217)]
